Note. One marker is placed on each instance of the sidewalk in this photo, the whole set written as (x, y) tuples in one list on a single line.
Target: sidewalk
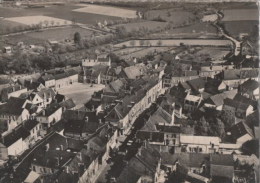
[(102, 176)]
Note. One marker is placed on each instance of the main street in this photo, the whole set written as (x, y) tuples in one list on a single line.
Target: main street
[(126, 151)]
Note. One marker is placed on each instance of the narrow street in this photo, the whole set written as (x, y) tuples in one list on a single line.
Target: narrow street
[(126, 152)]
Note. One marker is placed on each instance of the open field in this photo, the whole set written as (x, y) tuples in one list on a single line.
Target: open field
[(80, 93), (146, 51), (175, 17), (175, 42), (57, 11), (126, 51), (7, 26), (195, 28), (44, 20), (56, 34), (149, 25), (214, 53), (108, 11), (234, 28), (240, 14)]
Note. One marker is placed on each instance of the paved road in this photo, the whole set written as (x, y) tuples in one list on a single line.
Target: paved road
[(120, 161)]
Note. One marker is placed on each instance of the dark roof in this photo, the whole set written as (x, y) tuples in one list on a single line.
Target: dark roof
[(250, 85), (235, 104), (14, 106), (197, 83), (242, 99), (68, 104), (221, 171), (47, 77), (50, 109), (168, 129), (46, 92), (240, 129), (151, 136), (13, 88), (59, 97), (30, 124), (188, 160), (60, 76), (240, 74), (32, 108), (71, 72), (18, 133), (222, 159)]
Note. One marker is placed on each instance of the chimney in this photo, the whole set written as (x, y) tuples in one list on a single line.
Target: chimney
[(58, 161), (61, 147), (80, 156), (173, 114), (43, 112), (47, 146)]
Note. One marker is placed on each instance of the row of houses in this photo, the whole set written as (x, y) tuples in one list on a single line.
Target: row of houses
[(38, 111)]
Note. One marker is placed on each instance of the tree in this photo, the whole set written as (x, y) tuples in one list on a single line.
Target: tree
[(46, 23), (77, 38)]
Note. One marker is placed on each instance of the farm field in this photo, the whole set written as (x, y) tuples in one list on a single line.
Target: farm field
[(146, 51), (57, 11), (234, 28), (149, 25), (8, 25), (44, 20), (56, 34), (195, 28), (175, 42), (126, 51), (240, 14), (107, 10), (175, 17)]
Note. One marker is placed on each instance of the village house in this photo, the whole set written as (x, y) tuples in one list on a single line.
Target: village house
[(14, 143), (199, 144), (66, 78), (217, 101), (234, 78), (177, 77), (58, 152), (81, 124), (13, 113), (34, 127), (238, 108), (47, 80), (41, 98), (127, 109), (49, 116), (192, 102), (144, 166), (94, 59), (249, 89), (100, 74), (210, 70), (222, 167), (241, 133), (12, 91)]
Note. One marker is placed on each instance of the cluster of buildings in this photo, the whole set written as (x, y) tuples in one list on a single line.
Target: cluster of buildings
[(62, 144)]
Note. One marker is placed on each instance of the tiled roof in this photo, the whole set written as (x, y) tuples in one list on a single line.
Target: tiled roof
[(52, 108), (197, 83), (30, 124), (14, 88), (240, 129), (14, 106), (240, 74), (14, 136), (132, 72), (47, 77), (218, 99), (68, 104), (250, 85)]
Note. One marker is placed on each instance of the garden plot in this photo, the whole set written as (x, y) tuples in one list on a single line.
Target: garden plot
[(44, 20), (109, 11)]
